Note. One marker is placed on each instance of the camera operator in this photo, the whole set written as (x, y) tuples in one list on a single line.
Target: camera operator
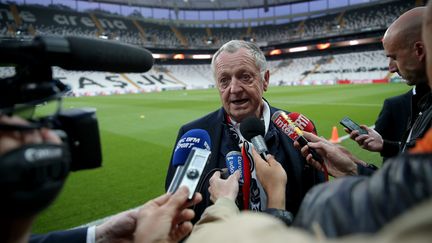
[(35, 162), (163, 218)]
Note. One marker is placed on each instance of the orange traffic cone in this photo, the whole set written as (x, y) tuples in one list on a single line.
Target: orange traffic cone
[(334, 137)]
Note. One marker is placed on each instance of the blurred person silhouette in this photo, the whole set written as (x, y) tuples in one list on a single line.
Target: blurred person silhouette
[(381, 208)]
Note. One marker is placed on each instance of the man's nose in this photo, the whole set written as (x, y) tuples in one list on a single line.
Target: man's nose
[(235, 85), (392, 66)]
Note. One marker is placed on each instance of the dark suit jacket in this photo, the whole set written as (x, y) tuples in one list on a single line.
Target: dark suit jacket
[(401, 112), (301, 177), (394, 117), (68, 236)]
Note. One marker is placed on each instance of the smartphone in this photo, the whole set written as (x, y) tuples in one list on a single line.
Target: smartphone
[(351, 125)]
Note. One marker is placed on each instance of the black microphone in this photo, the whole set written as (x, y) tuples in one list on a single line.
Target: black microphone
[(253, 130), (78, 53)]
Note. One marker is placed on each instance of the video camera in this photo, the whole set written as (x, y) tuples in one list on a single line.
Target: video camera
[(33, 85), (33, 88), (32, 175)]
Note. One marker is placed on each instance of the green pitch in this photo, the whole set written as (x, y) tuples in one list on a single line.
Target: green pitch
[(138, 133)]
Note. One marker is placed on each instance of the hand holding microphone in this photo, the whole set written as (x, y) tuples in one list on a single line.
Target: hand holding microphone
[(220, 188), (338, 160), (273, 179)]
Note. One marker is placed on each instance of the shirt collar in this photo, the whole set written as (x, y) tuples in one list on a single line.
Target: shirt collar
[(266, 115)]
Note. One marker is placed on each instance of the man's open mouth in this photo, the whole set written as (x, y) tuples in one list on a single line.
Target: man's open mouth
[(239, 101)]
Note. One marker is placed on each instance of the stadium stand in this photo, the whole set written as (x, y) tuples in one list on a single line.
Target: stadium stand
[(357, 67), (193, 76), (294, 72), (138, 31), (362, 67)]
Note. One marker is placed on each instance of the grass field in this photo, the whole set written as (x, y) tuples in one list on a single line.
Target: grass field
[(139, 131)]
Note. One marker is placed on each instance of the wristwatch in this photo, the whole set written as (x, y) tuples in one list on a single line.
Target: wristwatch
[(281, 214)]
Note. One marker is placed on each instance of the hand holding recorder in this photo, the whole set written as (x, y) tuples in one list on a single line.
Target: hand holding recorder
[(166, 218)]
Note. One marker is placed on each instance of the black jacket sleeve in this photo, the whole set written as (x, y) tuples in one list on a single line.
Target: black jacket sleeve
[(361, 204), (78, 235), (390, 148)]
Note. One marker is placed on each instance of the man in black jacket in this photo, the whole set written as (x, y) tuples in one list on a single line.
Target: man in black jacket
[(393, 119), (405, 49), (370, 203), (241, 76)]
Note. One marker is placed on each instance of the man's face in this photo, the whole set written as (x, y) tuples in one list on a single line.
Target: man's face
[(403, 60), (240, 85)]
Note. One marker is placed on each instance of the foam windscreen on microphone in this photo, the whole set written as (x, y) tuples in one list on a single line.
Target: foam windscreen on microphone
[(251, 127), (105, 55), (302, 122), (193, 138), (282, 121), (78, 53), (293, 131)]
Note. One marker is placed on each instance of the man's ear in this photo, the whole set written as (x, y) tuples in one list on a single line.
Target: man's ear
[(420, 51), (266, 80)]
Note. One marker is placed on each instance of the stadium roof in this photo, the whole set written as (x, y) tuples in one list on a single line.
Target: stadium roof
[(201, 4)]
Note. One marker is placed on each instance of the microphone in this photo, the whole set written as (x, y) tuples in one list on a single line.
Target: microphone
[(287, 126), (78, 53), (193, 138), (253, 130), (234, 162), (186, 147), (302, 122)]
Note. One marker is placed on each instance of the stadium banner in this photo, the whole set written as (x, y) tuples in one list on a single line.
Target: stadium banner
[(104, 83), (47, 20), (361, 81)]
